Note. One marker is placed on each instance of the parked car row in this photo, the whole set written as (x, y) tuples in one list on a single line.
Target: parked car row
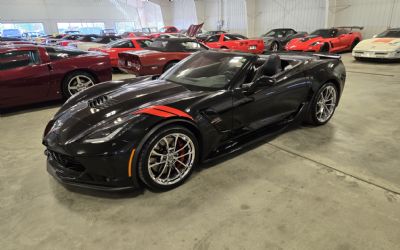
[(61, 66)]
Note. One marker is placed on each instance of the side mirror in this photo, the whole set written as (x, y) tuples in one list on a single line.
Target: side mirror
[(262, 81)]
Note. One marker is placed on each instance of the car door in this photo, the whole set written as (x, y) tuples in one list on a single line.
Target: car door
[(23, 77), (341, 41), (271, 103)]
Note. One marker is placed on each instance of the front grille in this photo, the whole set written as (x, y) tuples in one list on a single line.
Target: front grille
[(67, 161), (98, 101)]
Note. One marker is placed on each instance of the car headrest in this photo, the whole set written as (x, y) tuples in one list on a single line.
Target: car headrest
[(272, 66)]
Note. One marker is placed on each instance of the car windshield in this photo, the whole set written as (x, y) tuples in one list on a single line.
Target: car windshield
[(390, 33), (275, 33), (207, 70), (325, 33)]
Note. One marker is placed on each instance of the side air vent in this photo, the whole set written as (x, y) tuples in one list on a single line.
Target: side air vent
[(98, 101)]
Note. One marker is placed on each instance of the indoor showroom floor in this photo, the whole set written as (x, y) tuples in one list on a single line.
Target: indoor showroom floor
[(331, 187)]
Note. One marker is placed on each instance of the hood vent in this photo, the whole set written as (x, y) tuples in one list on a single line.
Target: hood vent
[(98, 101)]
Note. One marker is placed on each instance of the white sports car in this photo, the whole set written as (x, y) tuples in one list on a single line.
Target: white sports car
[(383, 46), (94, 43)]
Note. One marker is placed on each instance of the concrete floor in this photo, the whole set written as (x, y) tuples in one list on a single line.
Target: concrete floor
[(330, 187)]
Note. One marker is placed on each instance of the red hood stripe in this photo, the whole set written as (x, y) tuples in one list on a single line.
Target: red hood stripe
[(173, 111), (163, 111)]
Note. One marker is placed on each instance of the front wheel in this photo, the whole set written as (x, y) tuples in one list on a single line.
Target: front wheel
[(168, 158), (323, 104), (76, 82), (324, 48)]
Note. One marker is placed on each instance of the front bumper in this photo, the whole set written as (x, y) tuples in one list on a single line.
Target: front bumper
[(376, 54), (71, 173)]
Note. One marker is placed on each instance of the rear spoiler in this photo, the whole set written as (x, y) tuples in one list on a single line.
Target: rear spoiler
[(351, 27)]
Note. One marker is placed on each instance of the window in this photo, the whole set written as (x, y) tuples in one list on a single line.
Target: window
[(16, 59), (144, 43), (58, 53), (82, 28), (122, 44), (122, 27), (18, 29), (325, 33), (390, 33), (213, 39), (208, 70), (234, 37), (192, 46)]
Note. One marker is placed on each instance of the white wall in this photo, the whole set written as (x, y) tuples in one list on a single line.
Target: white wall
[(49, 12), (253, 17), (374, 15), (300, 15)]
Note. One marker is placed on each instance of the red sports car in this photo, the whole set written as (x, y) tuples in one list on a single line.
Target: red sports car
[(235, 42), (31, 73), (160, 56), (331, 40), (165, 30), (128, 44)]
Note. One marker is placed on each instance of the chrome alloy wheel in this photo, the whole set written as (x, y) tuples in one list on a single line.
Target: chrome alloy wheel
[(171, 159), (79, 83), (326, 104)]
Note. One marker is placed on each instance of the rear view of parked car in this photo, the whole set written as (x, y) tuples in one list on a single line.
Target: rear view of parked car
[(236, 42), (128, 44), (276, 39)]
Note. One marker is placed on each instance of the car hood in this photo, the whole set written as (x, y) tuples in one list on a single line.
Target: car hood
[(309, 39), (379, 44), (108, 101)]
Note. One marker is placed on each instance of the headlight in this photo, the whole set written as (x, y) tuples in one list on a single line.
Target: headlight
[(103, 135), (316, 43), (106, 131), (110, 130)]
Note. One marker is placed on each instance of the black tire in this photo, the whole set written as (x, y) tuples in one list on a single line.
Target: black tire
[(274, 45), (313, 110), (324, 48), (223, 47), (64, 87), (354, 44), (143, 169), (169, 65)]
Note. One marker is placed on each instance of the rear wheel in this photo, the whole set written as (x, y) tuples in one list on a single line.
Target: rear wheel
[(168, 158), (169, 65), (323, 104), (274, 46), (76, 82)]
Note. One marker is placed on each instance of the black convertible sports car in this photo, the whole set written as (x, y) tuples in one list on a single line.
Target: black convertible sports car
[(154, 130), (276, 39)]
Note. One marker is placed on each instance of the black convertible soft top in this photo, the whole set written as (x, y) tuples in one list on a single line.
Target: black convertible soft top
[(170, 44)]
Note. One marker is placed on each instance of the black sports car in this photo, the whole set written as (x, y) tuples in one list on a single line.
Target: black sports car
[(276, 39), (119, 134)]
